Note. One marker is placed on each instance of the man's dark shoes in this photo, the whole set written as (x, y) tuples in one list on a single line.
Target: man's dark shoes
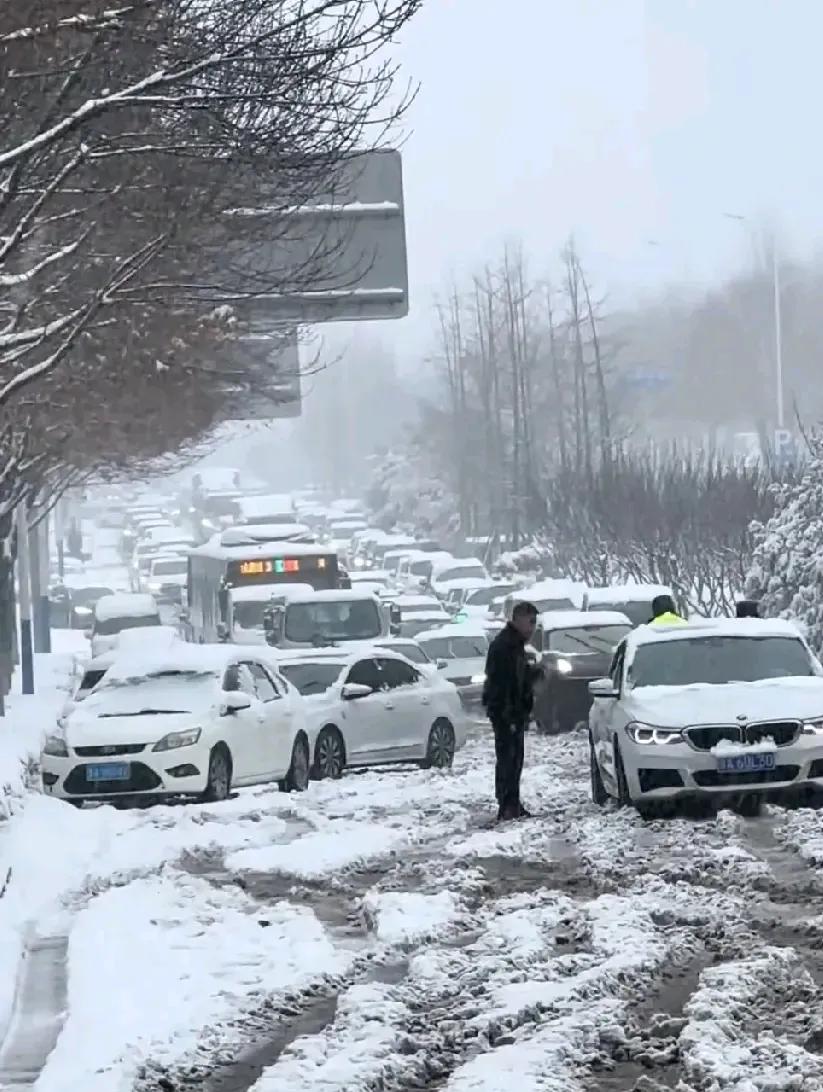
[(506, 814), (523, 813)]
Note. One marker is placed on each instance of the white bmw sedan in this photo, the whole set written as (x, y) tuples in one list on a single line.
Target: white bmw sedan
[(374, 708), (728, 708), (189, 721)]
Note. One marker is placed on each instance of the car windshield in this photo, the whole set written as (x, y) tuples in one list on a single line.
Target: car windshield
[(175, 567), (410, 627), (420, 568), (718, 660), (482, 597), (334, 620), (638, 611), (586, 639), (250, 615), (90, 679), (414, 653), (455, 648), (546, 606), (163, 692), (462, 572), (312, 678), (110, 627), (84, 596)]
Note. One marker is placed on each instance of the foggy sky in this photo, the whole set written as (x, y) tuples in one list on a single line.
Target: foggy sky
[(623, 121)]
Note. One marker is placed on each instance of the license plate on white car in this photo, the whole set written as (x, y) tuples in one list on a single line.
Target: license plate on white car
[(108, 771), (754, 763)]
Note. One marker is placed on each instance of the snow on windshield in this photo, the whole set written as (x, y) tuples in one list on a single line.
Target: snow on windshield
[(165, 692), (455, 648), (586, 639), (718, 660)]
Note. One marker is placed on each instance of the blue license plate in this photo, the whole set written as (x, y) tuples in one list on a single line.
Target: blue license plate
[(108, 771), (752, 763)]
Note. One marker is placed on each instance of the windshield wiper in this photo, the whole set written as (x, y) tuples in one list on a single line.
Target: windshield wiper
[(145, 713)]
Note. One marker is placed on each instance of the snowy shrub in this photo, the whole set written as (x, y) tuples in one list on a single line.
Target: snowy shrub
[(786, 573)]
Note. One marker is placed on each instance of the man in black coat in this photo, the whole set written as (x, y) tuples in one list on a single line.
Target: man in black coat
[(508, 696)]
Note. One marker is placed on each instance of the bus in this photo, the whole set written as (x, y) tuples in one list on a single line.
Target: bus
[(214, 570)]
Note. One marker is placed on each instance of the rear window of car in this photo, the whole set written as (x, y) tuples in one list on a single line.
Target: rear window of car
[(110, 627)]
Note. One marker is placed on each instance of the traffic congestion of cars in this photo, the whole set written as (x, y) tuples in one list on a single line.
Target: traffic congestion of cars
[(239, 636)]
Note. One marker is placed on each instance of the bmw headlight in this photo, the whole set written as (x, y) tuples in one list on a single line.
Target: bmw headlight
[(650, 734), (564, 667), (56, 747), (177, 739), (478, 680), (813, 727)]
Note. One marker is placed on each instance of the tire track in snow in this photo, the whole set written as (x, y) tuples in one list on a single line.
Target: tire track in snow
[(38, 1014)]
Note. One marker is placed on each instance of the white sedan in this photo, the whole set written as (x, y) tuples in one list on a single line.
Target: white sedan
[(191, 721), (374, 708), (714, 709)]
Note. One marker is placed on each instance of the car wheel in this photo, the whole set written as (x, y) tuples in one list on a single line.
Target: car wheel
[(77, 803), (599, 794), (218, 785), (624, 799), (329, 755), (440, 747), (297, 779)]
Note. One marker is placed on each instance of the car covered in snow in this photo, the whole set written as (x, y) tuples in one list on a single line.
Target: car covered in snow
[(166, 579), (457, 574), (187, 721), (573, 648), (152, 637), (459, 651), (548, 595), (372, 708), (729, 708), (114, 613)]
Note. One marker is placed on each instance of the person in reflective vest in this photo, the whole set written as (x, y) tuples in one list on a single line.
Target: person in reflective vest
[(664, 612)]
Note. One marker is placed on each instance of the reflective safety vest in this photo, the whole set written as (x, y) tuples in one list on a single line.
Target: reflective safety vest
[(669, 619)]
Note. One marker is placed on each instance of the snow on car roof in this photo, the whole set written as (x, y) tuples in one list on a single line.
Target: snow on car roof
[(251, 533), (450, 562), (340, 595), (369, 576), (343, 656), (157, 637), (416, 601), (626, 593), (262, 549), (574, 619), (266, 504), (713, 627), (125, 605), (181, 657), (555, 588), (262, 593)]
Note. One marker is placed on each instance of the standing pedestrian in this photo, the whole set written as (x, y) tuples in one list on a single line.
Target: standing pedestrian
[(508, 698)]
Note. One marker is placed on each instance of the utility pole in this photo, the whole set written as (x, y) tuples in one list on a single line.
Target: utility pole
[(39, 556), (24, 584), (60, 535)]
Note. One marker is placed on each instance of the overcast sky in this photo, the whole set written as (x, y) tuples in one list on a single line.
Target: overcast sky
[(627, 122)]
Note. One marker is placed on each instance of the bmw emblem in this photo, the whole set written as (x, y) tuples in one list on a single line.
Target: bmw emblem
[(741, 717)]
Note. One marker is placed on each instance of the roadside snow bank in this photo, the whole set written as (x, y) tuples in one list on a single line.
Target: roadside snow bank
[(155, 964)]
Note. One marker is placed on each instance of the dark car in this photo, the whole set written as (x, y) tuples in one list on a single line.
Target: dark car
[(574, 647), (83, 602)]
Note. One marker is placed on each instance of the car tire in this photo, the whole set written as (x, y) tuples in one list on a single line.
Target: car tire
[(599, 794), (329, 755), (439, 747), (297, 779), (77, 803), (624, 799), (218, 784)]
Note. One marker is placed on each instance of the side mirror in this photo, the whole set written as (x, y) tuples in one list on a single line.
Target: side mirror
[(234, 701), (352, 691), (603, 688), (441, 664)]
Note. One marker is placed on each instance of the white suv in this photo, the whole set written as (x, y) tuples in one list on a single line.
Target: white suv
[(728, 708)]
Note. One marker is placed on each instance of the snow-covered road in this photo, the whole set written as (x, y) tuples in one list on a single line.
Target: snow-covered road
[(379, 933)]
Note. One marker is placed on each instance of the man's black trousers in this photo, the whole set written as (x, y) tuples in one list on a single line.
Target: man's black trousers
[(508, 747)]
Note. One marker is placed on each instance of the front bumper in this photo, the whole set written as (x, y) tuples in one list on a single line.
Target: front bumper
[(669, 771), (181, 772), (471, 694)]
